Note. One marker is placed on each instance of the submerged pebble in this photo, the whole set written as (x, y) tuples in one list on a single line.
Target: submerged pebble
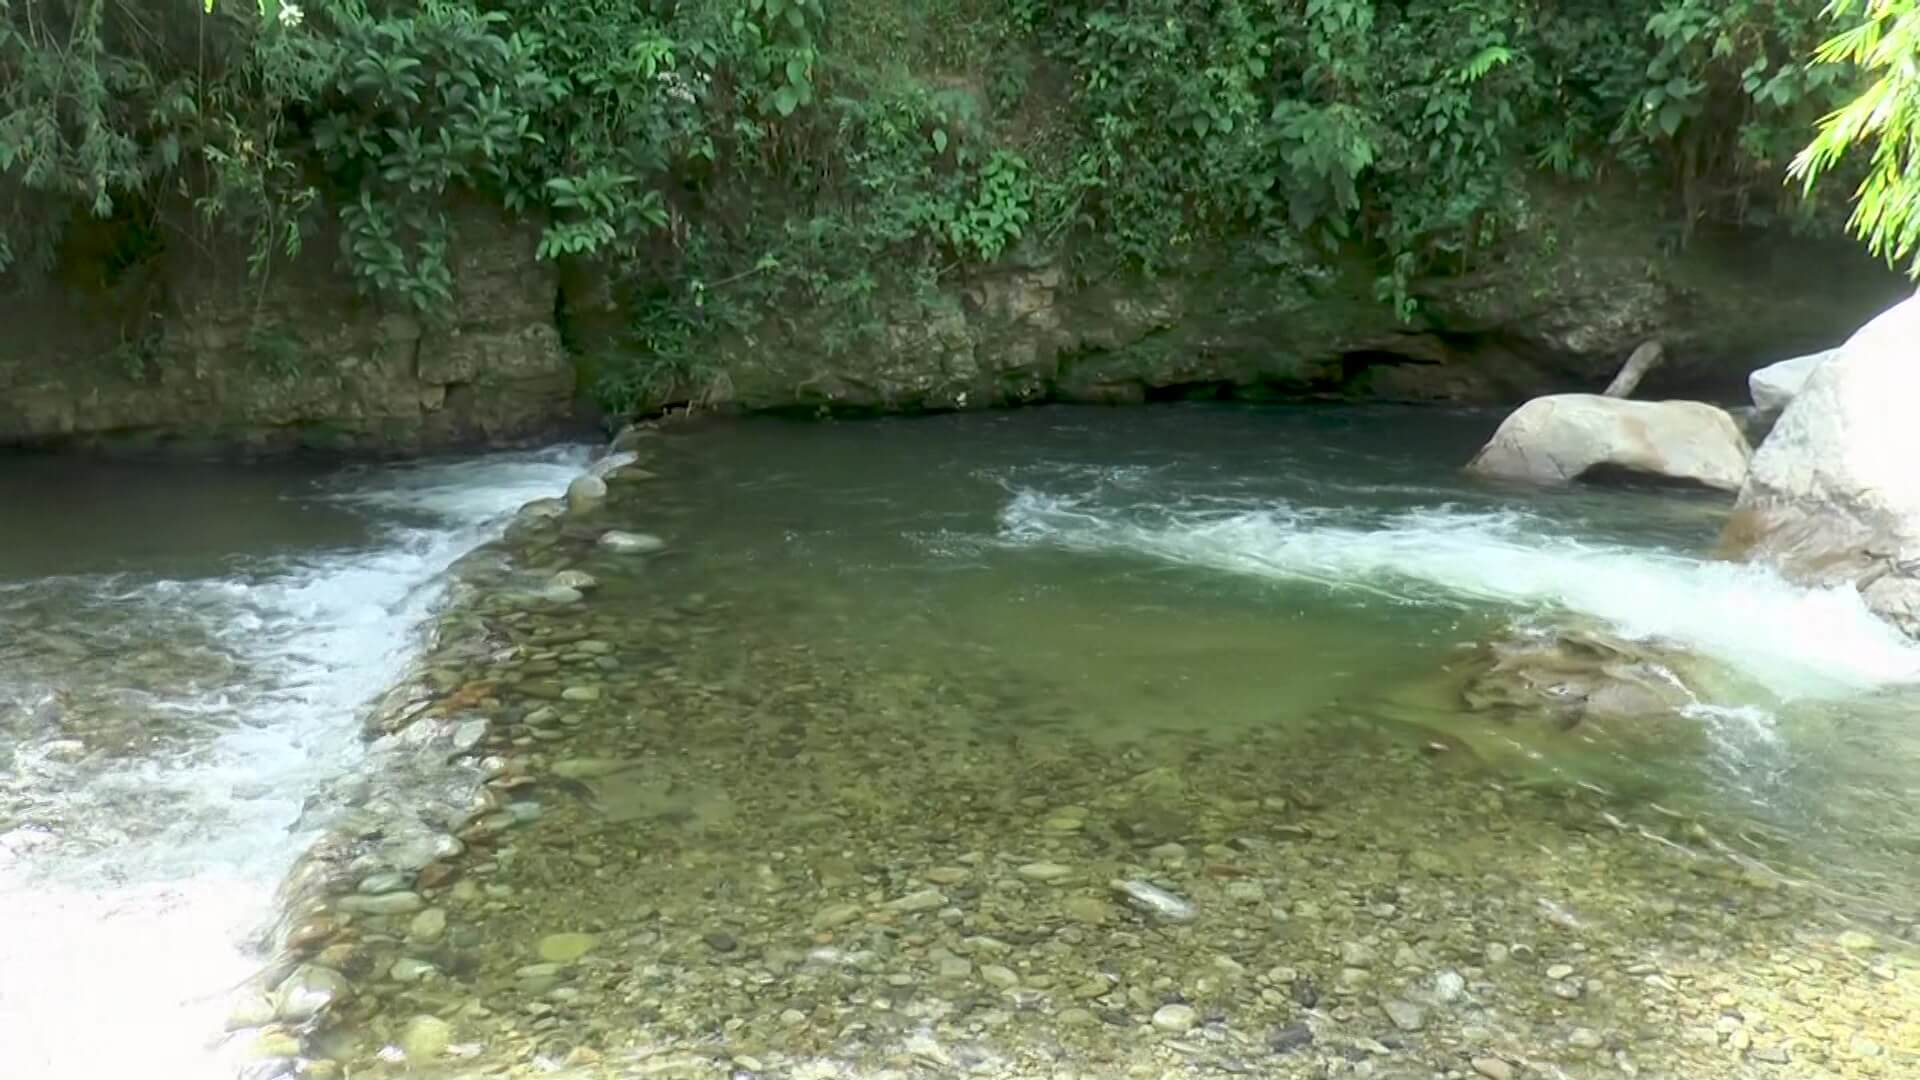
[(426, 1038), (386, 903), (1178, 1019), (1156, 900), (564, 948), (631, 543)]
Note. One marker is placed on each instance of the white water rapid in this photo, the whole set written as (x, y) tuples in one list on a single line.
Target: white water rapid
[(132, 876), (1795, 642)]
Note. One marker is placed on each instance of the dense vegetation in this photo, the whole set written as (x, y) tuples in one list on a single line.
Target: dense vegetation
[(714, 157)]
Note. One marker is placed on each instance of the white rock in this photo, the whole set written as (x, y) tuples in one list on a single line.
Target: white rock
[(309, 990), (1833, 498), (1775, 386), (586, 493), (1567, 437), (409, 969), (612, 463), (416, 852), (577, 580), (630, 543)]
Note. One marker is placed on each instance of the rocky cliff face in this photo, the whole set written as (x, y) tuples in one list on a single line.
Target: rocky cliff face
[(198, 357), (1558, 310)]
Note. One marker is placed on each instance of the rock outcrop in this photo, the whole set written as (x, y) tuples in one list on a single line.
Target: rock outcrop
[(1565, 438), (1833, 497), (206, 358), (185, 350), (1775, 386)]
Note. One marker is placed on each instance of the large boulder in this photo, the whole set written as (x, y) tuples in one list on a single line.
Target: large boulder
[(1775, 386), (1833, 497), (1568, 437)]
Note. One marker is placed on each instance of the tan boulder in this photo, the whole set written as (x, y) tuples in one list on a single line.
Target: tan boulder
[(1565, 438)]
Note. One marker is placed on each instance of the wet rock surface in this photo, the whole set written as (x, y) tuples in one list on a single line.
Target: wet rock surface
[(757, 849), (1832, 498), (1566, 438)]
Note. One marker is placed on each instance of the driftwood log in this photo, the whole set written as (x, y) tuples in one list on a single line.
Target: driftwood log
[(1644, 359)]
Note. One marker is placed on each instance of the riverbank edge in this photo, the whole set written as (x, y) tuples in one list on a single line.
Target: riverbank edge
[(391, 857)]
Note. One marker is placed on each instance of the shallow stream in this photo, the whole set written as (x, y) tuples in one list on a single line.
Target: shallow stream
[(839, 783)]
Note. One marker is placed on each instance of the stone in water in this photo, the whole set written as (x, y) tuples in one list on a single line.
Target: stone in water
[(565, 948)]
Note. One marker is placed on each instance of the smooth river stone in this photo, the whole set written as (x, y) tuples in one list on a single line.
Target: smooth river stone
[(564, 948), (580, 693), (428, 926), (385, 881), (613, 462), (426, 1037), (629, 543), (586, 493), (923, 900), (559, 595), (577, 580), (1405, 1015), (836, 915), (310, 989), (410, 969), (392, 903), (1176, 1019), (1044, 871)]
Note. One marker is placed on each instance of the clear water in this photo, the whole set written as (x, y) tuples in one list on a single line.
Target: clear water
[(185, 657), (1217, 570), (878, 655)]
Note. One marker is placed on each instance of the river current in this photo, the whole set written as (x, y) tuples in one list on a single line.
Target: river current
[(186, 653), (836, 784)]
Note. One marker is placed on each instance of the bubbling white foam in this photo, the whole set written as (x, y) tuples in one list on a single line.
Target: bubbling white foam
[(1796, 642), (129, 893)]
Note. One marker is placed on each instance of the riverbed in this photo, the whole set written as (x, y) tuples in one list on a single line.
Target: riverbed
[(846, 778)]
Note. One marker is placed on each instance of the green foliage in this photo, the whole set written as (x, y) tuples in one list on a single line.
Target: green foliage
[(1885, 42), (724, 162)]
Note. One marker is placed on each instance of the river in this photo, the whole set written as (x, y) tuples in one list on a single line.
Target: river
[(187, 654), (835, 784)]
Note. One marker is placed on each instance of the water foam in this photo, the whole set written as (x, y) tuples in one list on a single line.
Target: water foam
[(1796, 642), (131, 890)]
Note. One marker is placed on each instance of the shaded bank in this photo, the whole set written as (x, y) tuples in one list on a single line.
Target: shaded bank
[(189, 354)]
